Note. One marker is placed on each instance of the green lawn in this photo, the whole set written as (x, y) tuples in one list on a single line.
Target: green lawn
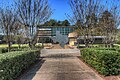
[(14, 45), (95, 45), (117, 45), (99, 45)]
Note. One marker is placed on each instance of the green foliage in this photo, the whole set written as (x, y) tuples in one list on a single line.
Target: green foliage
[(19, 38), (11, 64), (116, 45), (15, 48), (3, 50), (53, 22), (106, 62), (113, 49), (38, 46), (65, 23)]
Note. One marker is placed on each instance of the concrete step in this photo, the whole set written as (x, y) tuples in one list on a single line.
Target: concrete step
[(59, 51)]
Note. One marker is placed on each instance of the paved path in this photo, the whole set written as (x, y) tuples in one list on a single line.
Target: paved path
[(56, 46), (60, 66)]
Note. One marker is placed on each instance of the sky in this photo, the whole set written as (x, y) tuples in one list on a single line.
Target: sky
[(59, 8)]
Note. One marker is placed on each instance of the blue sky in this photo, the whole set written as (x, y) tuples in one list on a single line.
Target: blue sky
[(59, 7)]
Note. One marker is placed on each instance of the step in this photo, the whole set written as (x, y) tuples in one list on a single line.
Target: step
[(59, 51)]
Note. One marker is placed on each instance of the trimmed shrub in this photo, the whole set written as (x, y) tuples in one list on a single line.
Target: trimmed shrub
[(3, 50), (20, 49), (102, 48), (106, 62), (11, 64)]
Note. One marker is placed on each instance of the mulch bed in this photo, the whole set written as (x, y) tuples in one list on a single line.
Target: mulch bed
[(104, 77)]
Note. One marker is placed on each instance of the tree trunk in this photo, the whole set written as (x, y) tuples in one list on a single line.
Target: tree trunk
[(9, 43), (19, 45), (42, 44)]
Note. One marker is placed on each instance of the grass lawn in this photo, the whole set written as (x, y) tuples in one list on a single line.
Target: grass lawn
[(117, 45), (94, 45), (100, 45), (14, 45)]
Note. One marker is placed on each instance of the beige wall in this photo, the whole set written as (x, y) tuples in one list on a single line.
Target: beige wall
[(72, 41)]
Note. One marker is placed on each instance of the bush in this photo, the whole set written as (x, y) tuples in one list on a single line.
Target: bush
[(38, 46), (11, 64), (111, 49), (19, 49), (106, 62), (3, 50)]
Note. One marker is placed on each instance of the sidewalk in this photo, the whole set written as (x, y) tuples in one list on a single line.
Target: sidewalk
[(61, 67)]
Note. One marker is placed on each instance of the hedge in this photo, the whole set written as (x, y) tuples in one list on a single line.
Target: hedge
[(106, 62), (111, 49), (11, 64), (3, 50)]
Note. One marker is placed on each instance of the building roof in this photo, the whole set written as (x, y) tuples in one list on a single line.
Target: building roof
[(56, 26), (44, 29), (82, 37)]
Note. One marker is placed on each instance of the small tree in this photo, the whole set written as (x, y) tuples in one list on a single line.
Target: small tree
[(19, 39), (109, 22), (86, 12), (118, 37), (89, 12), (108, 27), (52, 22), (65, 23), (7, 22), (32, 13)]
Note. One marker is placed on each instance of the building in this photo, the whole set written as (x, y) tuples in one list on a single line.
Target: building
[(96, 39), (45, 32), (72, 38)]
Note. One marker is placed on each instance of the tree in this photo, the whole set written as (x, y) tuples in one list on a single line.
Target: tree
[(89, 12), (19, 34), (59, 23), (32, 13), (7, 22), (65, 23), (19, 39), (86, 12), (118, 36), (110, 21), (52, 22), (108, 27)]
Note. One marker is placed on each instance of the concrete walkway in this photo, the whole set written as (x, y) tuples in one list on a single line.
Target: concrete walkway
[(60, 66)]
